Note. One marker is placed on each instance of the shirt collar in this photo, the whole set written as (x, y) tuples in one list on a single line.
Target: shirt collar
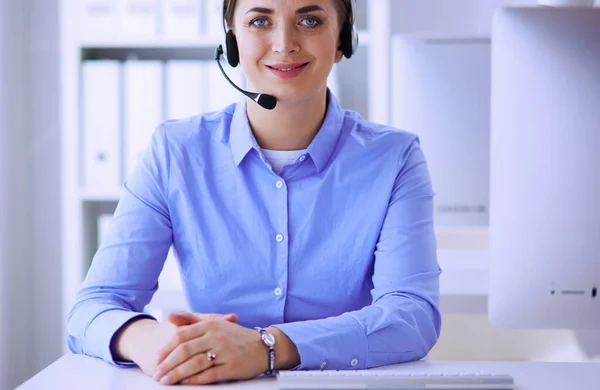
[(320, 149)]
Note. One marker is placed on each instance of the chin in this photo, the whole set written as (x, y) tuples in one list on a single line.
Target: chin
[(295, 94)]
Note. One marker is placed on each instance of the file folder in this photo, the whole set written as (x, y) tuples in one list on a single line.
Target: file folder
[(97, 19), (143, 108), (181, 19), (139, 18), (101, 124), (185, 88), (213, 19), (220, 92)]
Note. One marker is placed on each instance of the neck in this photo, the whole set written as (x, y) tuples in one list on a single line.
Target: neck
[(289, 126)]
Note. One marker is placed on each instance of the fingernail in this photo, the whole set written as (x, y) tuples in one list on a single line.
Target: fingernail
[(185, 382), (165, 380), (157, 375)]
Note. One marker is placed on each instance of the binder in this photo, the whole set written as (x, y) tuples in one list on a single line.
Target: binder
[(213, 18), (97, 18), (138, 18), (101, 124), (185, 88), (181, 18), (220, 92), (143, 107)]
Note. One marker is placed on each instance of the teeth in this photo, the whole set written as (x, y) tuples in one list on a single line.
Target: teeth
[(286, 69)]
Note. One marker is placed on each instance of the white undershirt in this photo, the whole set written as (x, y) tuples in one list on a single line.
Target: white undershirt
[(280, 158)]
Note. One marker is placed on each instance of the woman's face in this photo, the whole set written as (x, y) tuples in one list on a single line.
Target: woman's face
[(287, 47)]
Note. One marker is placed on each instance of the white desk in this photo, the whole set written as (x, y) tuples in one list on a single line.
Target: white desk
[(80, 372)]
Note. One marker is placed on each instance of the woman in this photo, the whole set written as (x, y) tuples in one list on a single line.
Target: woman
[(305, 221)]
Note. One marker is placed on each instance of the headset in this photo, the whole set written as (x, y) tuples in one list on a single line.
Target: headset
[(348, 46)]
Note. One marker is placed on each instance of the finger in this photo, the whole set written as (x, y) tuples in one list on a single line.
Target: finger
[(191, 318), (181, 319), (180, 354), (212, 374), (230, 317), (192, 366), (183, 334)]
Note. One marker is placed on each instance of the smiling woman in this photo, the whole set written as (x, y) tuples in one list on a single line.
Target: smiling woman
[(304, 233)]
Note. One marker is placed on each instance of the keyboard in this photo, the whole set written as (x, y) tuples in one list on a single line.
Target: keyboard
[(392, 380)]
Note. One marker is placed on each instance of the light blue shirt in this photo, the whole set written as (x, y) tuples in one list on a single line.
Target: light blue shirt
[(337, 251)]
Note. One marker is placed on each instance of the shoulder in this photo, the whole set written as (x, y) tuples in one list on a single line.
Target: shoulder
[(199, 131), (379, 139)]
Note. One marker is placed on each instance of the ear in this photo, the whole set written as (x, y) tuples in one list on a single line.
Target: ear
[(338, 56)]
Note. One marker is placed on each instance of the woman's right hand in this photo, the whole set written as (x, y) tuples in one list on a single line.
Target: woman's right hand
[(142, 340)]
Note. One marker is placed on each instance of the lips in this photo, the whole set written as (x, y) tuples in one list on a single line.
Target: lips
[(287, 67)]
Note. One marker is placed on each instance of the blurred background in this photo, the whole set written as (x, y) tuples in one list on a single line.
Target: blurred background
[(83, 83)]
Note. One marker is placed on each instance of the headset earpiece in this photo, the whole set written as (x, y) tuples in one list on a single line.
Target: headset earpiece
[(349, 35), (348, 40), (233, 54)]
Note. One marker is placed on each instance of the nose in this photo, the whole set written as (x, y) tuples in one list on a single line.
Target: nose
[(285, 41)]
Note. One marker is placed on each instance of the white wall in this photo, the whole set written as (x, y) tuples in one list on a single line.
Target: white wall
[(29, 172), (43, 104), (15, 253)]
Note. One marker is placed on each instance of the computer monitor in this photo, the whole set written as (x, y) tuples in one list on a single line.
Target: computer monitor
[(545, 169)]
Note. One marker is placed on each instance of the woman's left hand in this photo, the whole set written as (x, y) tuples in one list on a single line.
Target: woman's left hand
[(238, 352)]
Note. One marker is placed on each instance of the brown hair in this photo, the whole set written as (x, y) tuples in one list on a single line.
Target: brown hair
[(344, 10)]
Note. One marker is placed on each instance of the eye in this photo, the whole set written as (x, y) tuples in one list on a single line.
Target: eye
[(311, 21), (259, 22)]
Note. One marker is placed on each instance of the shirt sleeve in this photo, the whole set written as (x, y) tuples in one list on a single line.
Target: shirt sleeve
[(403, 321), (124, 272)]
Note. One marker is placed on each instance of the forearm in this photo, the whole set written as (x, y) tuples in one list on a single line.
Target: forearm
[(130, 335), (396, 329)]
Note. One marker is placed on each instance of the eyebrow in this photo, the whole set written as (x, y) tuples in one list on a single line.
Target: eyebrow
[(299, 11)]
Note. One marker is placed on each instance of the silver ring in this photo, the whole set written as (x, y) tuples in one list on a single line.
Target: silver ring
[(210, 356)]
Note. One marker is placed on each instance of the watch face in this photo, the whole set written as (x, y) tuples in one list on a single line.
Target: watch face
[(268, 338)]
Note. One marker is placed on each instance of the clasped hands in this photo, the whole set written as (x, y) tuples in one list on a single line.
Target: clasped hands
[(198, 349)]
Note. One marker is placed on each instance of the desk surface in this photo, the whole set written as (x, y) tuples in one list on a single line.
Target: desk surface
[(82, 372)]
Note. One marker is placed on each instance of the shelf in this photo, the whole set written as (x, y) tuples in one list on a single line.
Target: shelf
[(204, 42), (87, 195), (162, 49), (151, 43)]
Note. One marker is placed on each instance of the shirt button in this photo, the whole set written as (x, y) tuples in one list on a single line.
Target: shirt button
[(323, 365), (277, 291), (303, 157), (279, 184), (354, 362), (279, 238)]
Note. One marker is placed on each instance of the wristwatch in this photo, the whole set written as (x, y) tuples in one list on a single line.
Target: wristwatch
[(269, 340)]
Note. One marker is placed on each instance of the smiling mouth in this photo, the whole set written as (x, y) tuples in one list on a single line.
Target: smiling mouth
[(288, 69)]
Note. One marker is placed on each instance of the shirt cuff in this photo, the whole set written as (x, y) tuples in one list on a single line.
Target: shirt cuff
[(335, 343), (102, 330)]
